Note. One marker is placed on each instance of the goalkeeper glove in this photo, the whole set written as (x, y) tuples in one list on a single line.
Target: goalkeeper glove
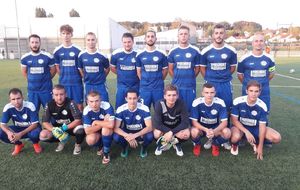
[(64, 127), (60, 134)]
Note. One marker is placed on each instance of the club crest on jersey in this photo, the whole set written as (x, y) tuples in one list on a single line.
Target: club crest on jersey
[(133, 60), (138, 117), (24, 116), (96, 60), (72, 54), (224, 56), (254, 113), (64, 112), (188, 55), (155, 58), (263, 63), (40, 61), (214, 112)]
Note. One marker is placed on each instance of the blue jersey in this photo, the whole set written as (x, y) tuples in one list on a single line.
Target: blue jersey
[(256, 68), (67, 59), (21, 118), (89, 115), (93, 66), (151, 63), (209, 116), (38, 71), (218, 62), (125, 63), (249, 116), (133, 120), (184, 61)]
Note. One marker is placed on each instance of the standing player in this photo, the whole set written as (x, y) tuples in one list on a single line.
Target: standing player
[(66, 63), (209, 116), (184, 66), (98, 120), (133, 125), (171, 119), (94, 67), (123, 64), (25, 122), (38, 69), (249, 119), (152, 69), (62, 112), (257, 66)]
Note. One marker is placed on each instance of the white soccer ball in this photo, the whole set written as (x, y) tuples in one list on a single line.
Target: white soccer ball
[(292, 70)]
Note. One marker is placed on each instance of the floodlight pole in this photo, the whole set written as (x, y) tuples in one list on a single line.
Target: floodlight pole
[(18, 32)]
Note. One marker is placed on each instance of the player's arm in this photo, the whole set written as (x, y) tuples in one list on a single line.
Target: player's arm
[(171, 69), (46, 118), (52, 71), (106, 70), (118, 130), (10, 134), (139, 72), (197, 70), (220, 127), (57, 69), (147, 129), (262, 134), (271, 76), (202, 71), (47, 126), (232, 68), (81, 72), (108, 122), (24, 71), (164, 72), (113, 68), (74, 123), (240, 126), (240, 77)]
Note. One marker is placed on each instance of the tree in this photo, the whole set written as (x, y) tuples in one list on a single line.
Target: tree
[(40, 12), (74, 13)]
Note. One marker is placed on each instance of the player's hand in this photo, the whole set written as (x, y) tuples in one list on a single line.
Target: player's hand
[(168, 136), (11, 136), (130, 137), (259, 152), (17, 136), (250, 138), (64, 127), (106, 117), (133, 143), (210, 133)]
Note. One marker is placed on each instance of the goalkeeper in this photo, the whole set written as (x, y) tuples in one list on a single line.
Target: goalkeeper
[(62, 118), (171, 119)]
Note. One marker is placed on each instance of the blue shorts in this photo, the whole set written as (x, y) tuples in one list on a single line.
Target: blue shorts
[(224, 91), (33, 135), (121, 94), (101, 88), (39, 98), (75, 93), (188, 96), (150, 97)]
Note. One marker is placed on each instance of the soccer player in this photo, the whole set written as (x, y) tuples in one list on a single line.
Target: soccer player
[(152, 69), (171, 119), (25, 122), (249, 119), (258, 66), (98, 120), (66, 63), (184, 66), (209, 117), (94, 67), (62, 112), (123, 64), (218, 63), (38, 68), (133, 125)]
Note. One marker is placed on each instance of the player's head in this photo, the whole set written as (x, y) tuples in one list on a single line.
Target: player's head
[(16, 98), (66, 33), (218, 34), (183, 35), (253, 90), (171, 94), (94, 100), (59, 94), (34, 43), (150, 37), (132, 98), (258, 42), (127, 40), (91, 41), (208, 92)]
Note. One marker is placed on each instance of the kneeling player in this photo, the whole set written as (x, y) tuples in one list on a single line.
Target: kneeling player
[(62, 116), (209, 116), (133, 125), (171, 120), (25, 122), (249, 119), (98, 120)]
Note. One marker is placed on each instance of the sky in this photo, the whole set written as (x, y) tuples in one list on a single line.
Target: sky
[(270, 14)]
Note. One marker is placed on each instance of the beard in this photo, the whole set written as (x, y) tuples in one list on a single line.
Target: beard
[(150, 43), (35, 50), (217, 41)]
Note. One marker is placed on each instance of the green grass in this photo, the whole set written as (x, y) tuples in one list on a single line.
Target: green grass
[(280, 168)]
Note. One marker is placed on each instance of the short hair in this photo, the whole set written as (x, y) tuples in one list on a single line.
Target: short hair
[(67, 28), (131, 90), (90, 33), (15, 91), (59, 87), (253, 83), (208, 85), (151, 30), (184, 27), (93, 93), (218, 26), (34, 36), (170, 87), (127, 35)]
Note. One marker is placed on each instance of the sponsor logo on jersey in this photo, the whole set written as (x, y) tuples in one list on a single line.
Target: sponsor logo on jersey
[(208, 120), (188, 55), (134, 127), (36, 70), (224, 56), (127, 68), (151, 68), (96, 60), (184, 65), (248, 121), (22, 124), (40, 61), (91, 69), (258, 73), (218, 66), (68, 63)]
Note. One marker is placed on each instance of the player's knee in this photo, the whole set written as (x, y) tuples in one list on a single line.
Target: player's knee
[(226, 133), (90, 140), (184, 135), (235, 137), (79, 130), (195, 132), (157, 133), (276, 138), (45, 135), (106, 131)]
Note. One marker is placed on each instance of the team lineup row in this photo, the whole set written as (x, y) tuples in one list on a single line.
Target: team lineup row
[(144, 72)]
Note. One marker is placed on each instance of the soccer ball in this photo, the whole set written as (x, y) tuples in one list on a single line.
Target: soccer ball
[(292, 70)]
